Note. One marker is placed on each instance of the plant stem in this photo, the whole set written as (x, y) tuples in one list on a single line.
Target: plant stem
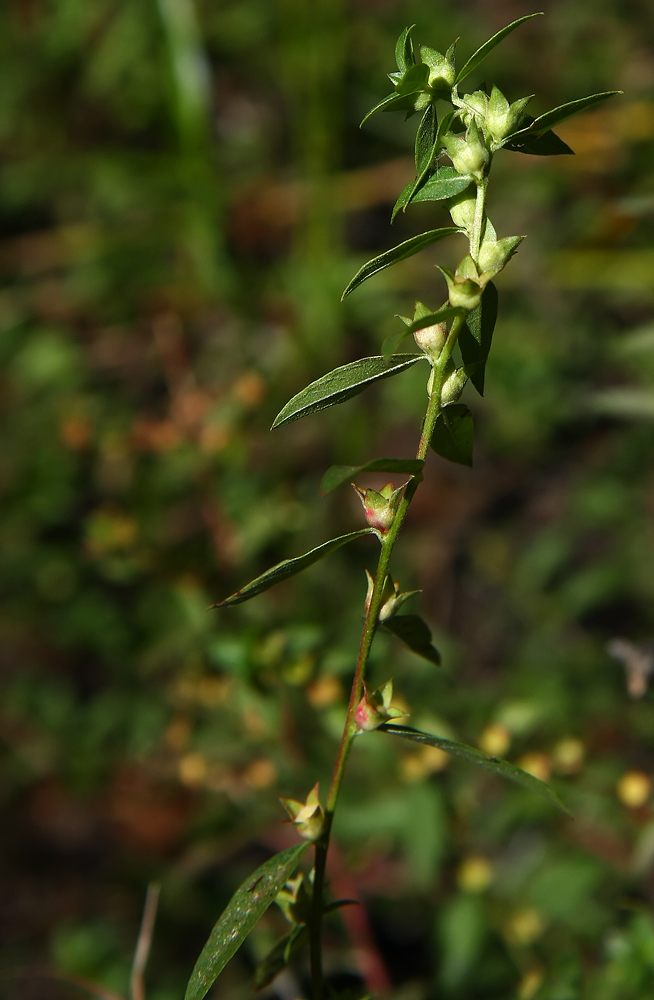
[(369, 627), (478, 224)]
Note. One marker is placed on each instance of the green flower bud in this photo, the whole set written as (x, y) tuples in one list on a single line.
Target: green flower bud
[(453, 387), (465, 293), (442, 71), (430, 339), (393, 604), (375, 708), (308, 817), (474, 107), (294, 900), (504, 118), (462, 209), (380, 508), (468, 155), (495, 254)]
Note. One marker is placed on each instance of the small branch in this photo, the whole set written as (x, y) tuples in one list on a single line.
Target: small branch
[(144, 942)]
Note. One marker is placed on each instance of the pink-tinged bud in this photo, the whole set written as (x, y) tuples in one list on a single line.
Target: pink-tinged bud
[(380, 508), (376, 708), (308, 817), (431, 339), (464, 293)]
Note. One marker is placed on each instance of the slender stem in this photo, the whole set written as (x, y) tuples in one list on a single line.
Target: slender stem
[(369, 627), (144, 943), (478, 224)]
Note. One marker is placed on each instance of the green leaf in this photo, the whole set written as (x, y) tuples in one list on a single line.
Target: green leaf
[(389, 103), (414, 80), (338, 474), (553, 118), (341, 384), (289, 567), (415, 634), (547, 144), (404, 55), (488, 46), (445, 183), (476, 336), (247, 905), (279, 956), (425, 138), (453, 433), (474, 756), (398, 253), (410, 192)]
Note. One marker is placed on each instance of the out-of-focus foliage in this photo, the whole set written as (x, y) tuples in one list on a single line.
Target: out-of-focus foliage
[(184, 194)]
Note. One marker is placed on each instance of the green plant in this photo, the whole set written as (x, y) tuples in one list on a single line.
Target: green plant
[(454, 340)]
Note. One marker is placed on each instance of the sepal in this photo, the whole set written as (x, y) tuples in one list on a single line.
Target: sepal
[(308, 817), (294, 900), (374, 709), (464, 292), (502, 118)]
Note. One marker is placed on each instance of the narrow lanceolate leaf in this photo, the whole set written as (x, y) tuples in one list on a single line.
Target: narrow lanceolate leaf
[(341, 384), (398, 253), (453, 434), (247, 905), (425, 165), (445, 183), (425, 138), (476, 337), (287, 568), (415, 634), (338, 474), (488, 46), (389, 103), (553, 118), (547, 144), (474, 756), (404, 55)]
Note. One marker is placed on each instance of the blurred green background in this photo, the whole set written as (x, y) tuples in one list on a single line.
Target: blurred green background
[(184, 194)]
